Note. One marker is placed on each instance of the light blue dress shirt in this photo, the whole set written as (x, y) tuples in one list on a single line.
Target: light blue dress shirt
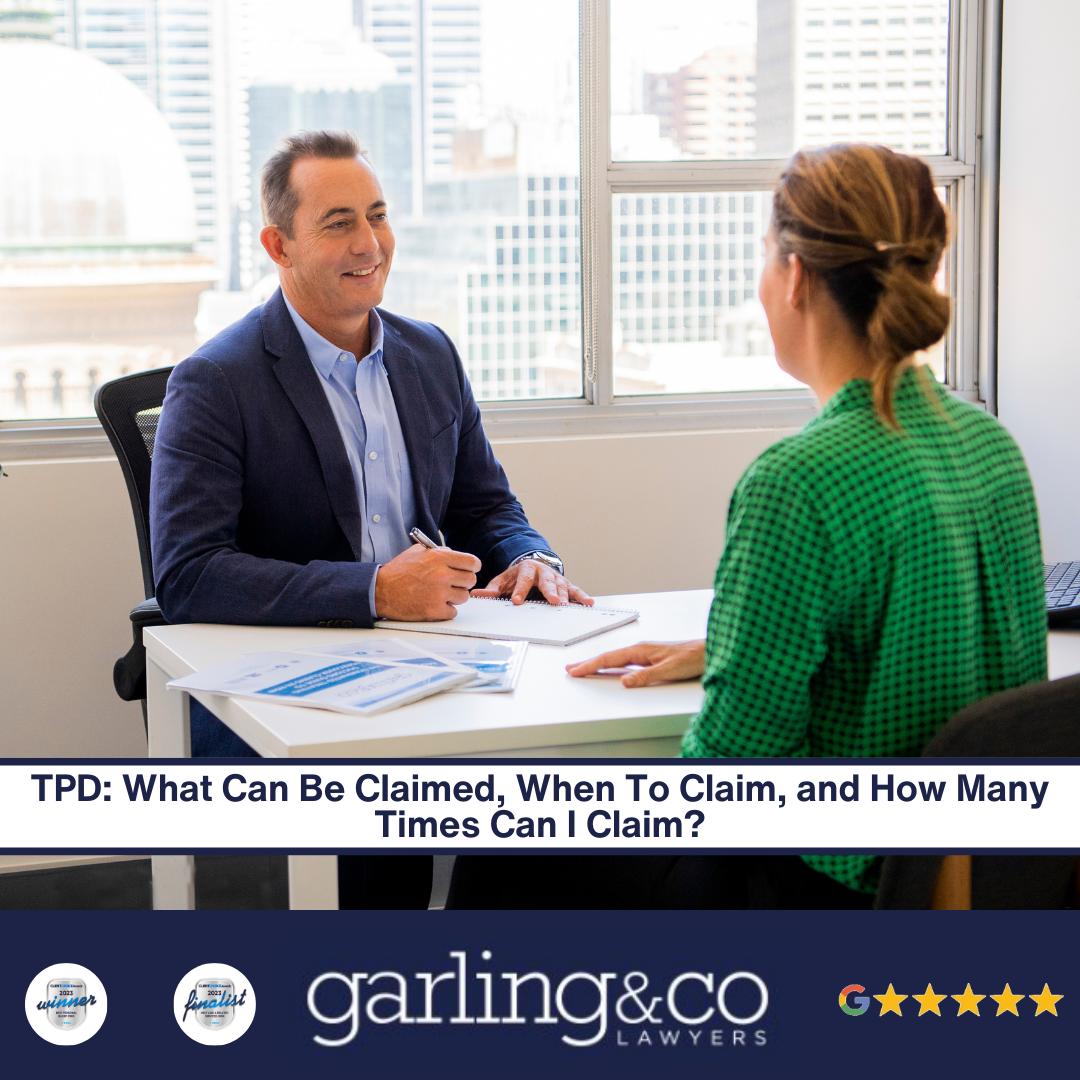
[(363, 406)]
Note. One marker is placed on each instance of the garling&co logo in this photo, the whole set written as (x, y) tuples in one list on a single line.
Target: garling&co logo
[(214, 1004), (692, 1008), (66, 1004)]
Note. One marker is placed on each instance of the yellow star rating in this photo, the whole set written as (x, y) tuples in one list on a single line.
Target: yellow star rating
[(1006, 1001), (969, 1001), (930, 1002), (890, 1001), (1046, 1001)]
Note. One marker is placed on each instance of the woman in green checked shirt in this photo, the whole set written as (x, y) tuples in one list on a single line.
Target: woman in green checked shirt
[(882, 568)]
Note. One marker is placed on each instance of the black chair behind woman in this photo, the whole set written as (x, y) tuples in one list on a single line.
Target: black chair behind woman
[(1037, 721)]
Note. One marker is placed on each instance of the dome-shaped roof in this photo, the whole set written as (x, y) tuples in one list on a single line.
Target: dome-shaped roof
[(85, 158)]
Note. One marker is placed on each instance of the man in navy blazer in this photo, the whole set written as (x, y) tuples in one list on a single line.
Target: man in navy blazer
[(254, 512), (297, 448)]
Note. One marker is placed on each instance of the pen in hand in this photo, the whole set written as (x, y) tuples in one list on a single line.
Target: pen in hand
[(422, 539)]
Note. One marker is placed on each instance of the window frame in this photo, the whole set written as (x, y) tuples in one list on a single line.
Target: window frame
[(968, 170), (973, 96)]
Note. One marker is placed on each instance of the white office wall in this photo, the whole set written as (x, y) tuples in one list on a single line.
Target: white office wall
[(1039, 278), (69, 574), (638, 513), (628, 514)]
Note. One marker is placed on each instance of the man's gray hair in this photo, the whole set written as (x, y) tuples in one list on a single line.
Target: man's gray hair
[(279, 198)]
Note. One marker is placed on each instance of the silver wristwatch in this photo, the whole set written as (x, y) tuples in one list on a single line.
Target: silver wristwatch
[(545, 557)]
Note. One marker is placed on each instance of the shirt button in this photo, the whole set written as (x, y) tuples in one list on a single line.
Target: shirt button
[(375, 518), (373, 455)]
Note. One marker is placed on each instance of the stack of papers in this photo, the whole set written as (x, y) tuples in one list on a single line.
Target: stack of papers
[(496, 664), (364, 677)]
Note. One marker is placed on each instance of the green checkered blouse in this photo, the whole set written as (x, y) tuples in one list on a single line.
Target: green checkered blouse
[(873, 582)]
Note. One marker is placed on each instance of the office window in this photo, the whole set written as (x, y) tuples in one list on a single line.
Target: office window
[(771, 127), (695, 88)]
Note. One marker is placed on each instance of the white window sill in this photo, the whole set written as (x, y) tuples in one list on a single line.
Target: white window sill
[(34, 440)]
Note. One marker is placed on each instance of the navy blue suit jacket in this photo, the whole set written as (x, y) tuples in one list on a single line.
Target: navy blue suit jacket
[(253, 510)]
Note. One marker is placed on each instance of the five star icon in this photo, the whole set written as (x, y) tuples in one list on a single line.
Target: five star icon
[(969, 1001), (890, 1001), (1045, 1001), (930, 1002), (1006, 1001)]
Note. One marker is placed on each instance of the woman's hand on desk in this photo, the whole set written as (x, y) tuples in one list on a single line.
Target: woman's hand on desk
[(660, 661)]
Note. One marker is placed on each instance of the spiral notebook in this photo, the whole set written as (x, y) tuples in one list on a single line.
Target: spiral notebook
[(535, 621)]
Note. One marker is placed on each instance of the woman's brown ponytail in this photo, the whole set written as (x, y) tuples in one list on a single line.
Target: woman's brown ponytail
[(868, 222)]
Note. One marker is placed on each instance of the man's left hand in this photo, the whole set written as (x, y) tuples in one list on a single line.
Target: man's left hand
[(518, 580)]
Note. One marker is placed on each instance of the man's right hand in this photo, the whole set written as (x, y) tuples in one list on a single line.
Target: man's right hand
[(424, 585)]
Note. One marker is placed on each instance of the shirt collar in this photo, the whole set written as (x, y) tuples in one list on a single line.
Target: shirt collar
[(859, 393), (325, 354)]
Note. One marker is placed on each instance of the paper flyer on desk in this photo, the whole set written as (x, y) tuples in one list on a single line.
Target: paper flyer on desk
[(319, 682)]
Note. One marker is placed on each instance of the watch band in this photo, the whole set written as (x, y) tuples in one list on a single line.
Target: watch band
[(545, 557)]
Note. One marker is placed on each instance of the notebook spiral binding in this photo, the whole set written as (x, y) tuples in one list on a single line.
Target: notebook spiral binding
[(554, 607)]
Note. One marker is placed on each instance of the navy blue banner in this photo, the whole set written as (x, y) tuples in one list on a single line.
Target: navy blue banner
[(541, 994)]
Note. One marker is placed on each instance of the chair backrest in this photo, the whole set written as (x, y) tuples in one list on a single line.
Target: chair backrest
[(1040, 720), (128, 409)]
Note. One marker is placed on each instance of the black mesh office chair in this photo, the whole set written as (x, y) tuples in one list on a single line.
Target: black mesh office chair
[(1041, 721), (128, 409)]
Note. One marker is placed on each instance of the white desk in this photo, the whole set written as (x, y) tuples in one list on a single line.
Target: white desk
[(548, 715)]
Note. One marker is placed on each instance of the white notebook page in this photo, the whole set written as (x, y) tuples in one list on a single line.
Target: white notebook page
[(538, 622)]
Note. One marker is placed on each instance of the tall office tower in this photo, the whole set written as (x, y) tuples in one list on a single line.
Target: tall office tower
[(845, 71), (175, 54), (379, 116), (686, 268), (707, 106), (435, 45), (520, 306), (307, 68), (775, 77)]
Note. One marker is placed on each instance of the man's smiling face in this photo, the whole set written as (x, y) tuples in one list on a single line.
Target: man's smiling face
[(342, 244)]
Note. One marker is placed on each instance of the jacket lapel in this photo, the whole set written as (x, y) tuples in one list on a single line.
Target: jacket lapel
[(403, 374), (300, 381)]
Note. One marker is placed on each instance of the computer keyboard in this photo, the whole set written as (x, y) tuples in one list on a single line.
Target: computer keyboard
[(1062, 592)]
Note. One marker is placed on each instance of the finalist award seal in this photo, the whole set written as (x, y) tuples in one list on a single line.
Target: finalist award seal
[(214, 1004)]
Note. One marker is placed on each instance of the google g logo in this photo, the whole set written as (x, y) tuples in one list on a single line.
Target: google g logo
[(862, 1002)]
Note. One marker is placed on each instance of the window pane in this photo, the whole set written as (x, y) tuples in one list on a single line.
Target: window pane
[(129, 207), (687, 317), (758, 78)]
